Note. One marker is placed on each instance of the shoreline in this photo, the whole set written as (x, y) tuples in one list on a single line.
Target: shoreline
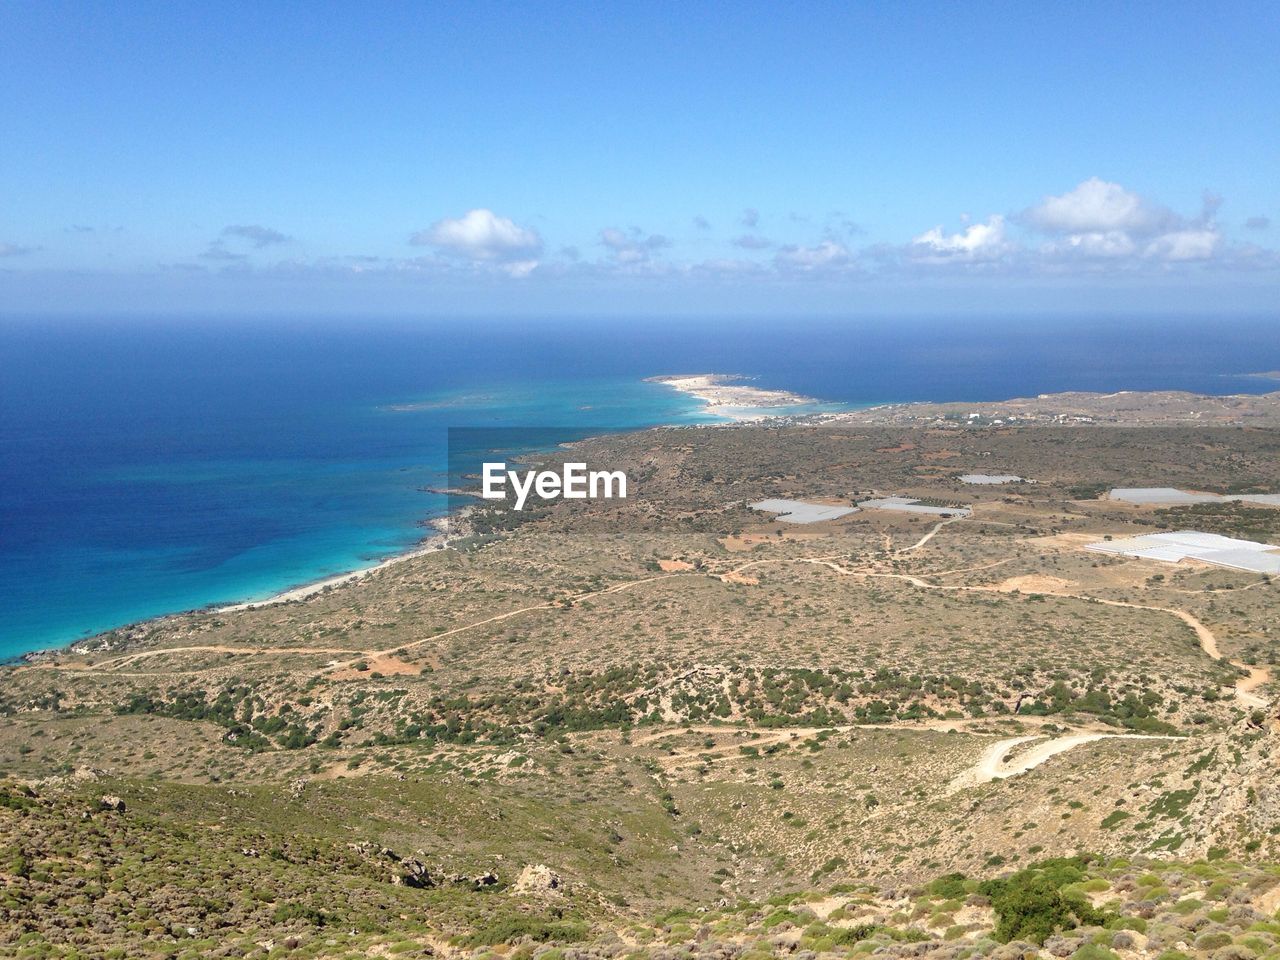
[(440, 540), (721, 394), (433, 544), (735, 400), (724, 395)]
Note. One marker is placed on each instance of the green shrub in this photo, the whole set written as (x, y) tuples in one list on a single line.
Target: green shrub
[(856, 934), (1213, 940), (511, 928), (1092, 951), (949, 887), (1031, 905)]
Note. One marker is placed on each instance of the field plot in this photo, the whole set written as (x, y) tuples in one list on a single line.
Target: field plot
[(912, 505), (1168, 496)]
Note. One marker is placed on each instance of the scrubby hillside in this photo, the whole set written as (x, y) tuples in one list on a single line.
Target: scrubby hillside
[(774, 738)]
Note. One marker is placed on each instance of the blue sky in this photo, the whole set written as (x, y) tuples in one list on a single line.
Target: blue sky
[(646, 157)]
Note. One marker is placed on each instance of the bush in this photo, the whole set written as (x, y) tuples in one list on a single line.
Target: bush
[(1213, 940), (856, 934), (1091, 951), (1031, 905), (948, 887), (511, 928), (298, 911)]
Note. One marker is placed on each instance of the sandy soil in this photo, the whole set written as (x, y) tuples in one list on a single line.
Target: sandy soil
[(387, 666), (1062, 541), (1034, 583), (736, 401), (743, 542)]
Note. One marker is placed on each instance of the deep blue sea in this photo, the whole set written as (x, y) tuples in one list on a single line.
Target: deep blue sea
[(150, 466)]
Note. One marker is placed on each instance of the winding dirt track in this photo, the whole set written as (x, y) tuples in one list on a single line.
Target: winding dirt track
[(931, 534), (1244, 687), (113, 665), (992, 765)]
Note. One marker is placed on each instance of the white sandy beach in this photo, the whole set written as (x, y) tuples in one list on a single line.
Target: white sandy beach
[(728, 398), (438, 542)]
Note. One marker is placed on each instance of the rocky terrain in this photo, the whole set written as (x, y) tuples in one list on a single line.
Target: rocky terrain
[(672, 726)]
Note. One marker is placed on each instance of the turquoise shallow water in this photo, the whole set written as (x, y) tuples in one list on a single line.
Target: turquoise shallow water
[(150, 466), (174, 534)]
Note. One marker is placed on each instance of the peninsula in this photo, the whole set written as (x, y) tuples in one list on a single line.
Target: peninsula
[(727, 396)]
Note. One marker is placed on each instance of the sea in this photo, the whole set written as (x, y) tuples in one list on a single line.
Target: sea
[(160, 464)]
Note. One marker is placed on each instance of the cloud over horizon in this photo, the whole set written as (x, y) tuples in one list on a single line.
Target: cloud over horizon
[(979, 241), (480, 235), (1097, 231), (1096, 206), (1101, 220)]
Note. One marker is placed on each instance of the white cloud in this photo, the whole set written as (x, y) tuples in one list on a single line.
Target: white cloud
[(978, 241), (1197, 243), (1099, 207), (481, 235), (729, 268), (1095, 229), (1111, 243), (13, 250), (1103, 221)]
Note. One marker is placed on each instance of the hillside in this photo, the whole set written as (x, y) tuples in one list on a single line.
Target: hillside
[(673, 725)]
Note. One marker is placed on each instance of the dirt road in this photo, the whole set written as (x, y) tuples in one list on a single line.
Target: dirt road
[(993, 765)]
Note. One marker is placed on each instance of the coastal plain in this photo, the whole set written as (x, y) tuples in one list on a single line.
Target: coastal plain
[(675, 726)]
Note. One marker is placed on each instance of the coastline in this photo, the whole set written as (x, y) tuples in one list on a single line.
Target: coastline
[(432, 544), (440, 540), (739, 404), (722, 395)]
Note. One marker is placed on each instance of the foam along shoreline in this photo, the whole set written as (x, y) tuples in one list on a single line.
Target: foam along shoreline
[(726, 396), (438, 541)]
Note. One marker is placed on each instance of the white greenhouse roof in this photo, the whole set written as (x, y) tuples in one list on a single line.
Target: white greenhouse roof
[(911, 505), (1194, 545), (799, 511)]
